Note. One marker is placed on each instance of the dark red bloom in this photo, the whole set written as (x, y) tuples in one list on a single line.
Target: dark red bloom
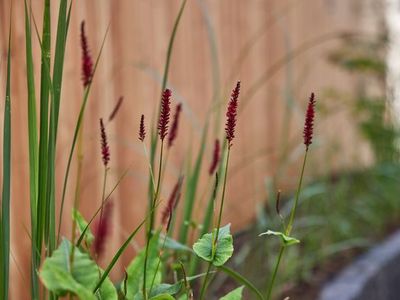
[(142, 129), (216, 157), (105, 150), (164, 114), (87, 63), (174, 128), (172, 203), (231, 114), (309, 122), (116, 109), (103, 229)]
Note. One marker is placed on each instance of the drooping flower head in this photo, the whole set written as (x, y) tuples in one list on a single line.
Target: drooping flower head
[(174, 128), (142, 129), (105, 150), (231, 114), (164, 114), (103, 229), (116, 109), (172, 203), (87, 63), (216, 157), (309, 122)]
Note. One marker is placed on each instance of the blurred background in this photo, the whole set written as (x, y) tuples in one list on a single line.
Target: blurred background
[(281, 50)]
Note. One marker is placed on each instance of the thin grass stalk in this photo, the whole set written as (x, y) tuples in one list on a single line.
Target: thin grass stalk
[(81, 237), (291, 55), (242, 280), (74, 140), (288, 229), (77, 191), (120, 251), (215, 238), (6, 196), (153, 135), (159, 261), (191, 188), (207, 220), (152, 217)]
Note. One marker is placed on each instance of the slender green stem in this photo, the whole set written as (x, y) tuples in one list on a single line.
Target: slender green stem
[(152, 217), (204, 286), (223, 193), (77, 191), (159, 261), (288, 228), (278, 261), (296, 200), (215, 238), (153, 181)]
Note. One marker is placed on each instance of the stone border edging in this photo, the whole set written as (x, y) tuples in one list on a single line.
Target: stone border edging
[(374, 276)]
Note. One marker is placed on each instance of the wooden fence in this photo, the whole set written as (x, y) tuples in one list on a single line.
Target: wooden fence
[(277, 48)]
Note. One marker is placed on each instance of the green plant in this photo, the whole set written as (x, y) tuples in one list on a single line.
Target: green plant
[(70, 267)]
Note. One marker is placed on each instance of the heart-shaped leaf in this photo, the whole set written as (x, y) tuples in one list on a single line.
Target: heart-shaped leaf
[(224, 246), (236, 294), (286, 240)]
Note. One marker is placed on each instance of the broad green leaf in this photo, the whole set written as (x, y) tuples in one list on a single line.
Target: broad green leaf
[(236, 294), (286, 240), (172, 244), (163, 297), (224, 246), (135, 271), (165, 288), (60, 277), (82, 225)]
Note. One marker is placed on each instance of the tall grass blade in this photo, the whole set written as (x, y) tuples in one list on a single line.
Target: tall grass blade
[(33, 154), (43, 219), (5, 197), (61, 37)]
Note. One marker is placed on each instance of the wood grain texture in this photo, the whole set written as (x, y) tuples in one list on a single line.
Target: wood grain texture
[(250, 38)]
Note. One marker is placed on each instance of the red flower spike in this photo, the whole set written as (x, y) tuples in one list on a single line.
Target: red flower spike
[(309, 122), (116, 109), (172, 203), (142, 129), (231, 115), (87, 63), (164, 114), (174, 128), (103, 229), (216, 158), (105, 150)]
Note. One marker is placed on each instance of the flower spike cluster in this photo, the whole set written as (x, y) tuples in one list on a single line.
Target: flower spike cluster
[(142, 129), (172, 203), (231, 115), (87, 63), (216, 158), (309, 122), (103, 229), (105, 149), (174, 128), (164, 114)]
